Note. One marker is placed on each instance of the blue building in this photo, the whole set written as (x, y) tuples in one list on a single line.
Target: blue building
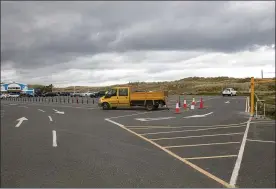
[(16, 88)]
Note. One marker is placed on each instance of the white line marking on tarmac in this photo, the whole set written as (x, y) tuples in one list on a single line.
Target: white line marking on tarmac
[(227, 102), (154, 119), (222, 182), (207, 144), (236, 169), (13, 104), (54, 138), (50, 118), (266, 141), (211, 157), (182, 131), (41, 110), (23, 106), (203, 115), (176, 127), (134, 114), (197, 136), (20, 121)]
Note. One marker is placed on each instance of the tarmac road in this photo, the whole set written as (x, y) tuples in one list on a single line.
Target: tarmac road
[(80, 145)]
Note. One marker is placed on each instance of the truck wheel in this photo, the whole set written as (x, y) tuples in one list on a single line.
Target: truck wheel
[(105, 106), (149, 107)]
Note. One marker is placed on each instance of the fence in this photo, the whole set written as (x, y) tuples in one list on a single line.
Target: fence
[(263, 109), (57, 99)]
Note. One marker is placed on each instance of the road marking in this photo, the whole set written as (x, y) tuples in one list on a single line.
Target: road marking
[(227, 102), (267, 141), (191, 130), (58, 112), (41, 110), (203, 115), (154, 119), (207, 144), (54, 138), (20, 121), (175, 127), (13, 104), (50, 118), (211, 157), (174, 155), (236, 169), (23, 106), (132, 114), (197, 136)]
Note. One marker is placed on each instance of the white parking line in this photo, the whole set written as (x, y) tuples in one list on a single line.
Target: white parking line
[(266, 141), (54, 138), (182, 131), (23, 106), (50, 118), (197, 136), (41, 110), (236, 169), (206, 173), (176, 127), (211, 157), (207, 144)]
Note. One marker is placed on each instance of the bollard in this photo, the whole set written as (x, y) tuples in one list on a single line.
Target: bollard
[(64, 100), (77, 100), (93, 101), (52, 99), (87, 100), (81, 100), (68, 100), (72, 99)]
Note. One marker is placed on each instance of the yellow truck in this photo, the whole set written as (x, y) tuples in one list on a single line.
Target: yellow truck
[(128, 97)]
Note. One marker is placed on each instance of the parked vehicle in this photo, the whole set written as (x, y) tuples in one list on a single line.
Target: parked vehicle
[(127, 97), (13, 95), (4, 95), (75, 94), (229, 92), (64, 94), (50, 94)]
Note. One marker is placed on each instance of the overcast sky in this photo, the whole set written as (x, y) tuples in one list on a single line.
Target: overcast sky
[(102, 43)]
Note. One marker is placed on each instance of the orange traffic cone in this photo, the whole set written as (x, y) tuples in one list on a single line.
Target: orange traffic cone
[(185, 104), (193, 104), (201, 104), (177, 109)]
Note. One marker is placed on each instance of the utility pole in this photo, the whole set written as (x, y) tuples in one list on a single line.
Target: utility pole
[(262, 74)]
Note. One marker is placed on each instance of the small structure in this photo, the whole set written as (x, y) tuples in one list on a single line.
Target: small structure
[(15, 87)]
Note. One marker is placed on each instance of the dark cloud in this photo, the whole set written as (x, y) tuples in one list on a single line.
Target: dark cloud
[(37, 34)]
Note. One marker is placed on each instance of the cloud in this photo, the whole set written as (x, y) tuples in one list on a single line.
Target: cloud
[(104, 42)]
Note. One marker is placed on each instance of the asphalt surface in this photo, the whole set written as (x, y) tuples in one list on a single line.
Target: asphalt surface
[(133, 147)]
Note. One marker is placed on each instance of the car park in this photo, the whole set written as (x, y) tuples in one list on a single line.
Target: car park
[(229, 92)]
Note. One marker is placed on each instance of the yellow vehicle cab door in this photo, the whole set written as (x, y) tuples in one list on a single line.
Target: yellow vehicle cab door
[(113, 100), (123, 97)]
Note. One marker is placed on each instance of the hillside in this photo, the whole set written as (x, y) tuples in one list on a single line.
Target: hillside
[(192, 85)]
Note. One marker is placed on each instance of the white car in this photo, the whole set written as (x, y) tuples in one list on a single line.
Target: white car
[(13, 95), (4, 95), (229, 92)]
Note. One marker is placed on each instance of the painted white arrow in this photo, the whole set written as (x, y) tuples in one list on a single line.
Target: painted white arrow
[(58, 112), (203, 115), (227, 102), (153, 119), (20, 121)]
